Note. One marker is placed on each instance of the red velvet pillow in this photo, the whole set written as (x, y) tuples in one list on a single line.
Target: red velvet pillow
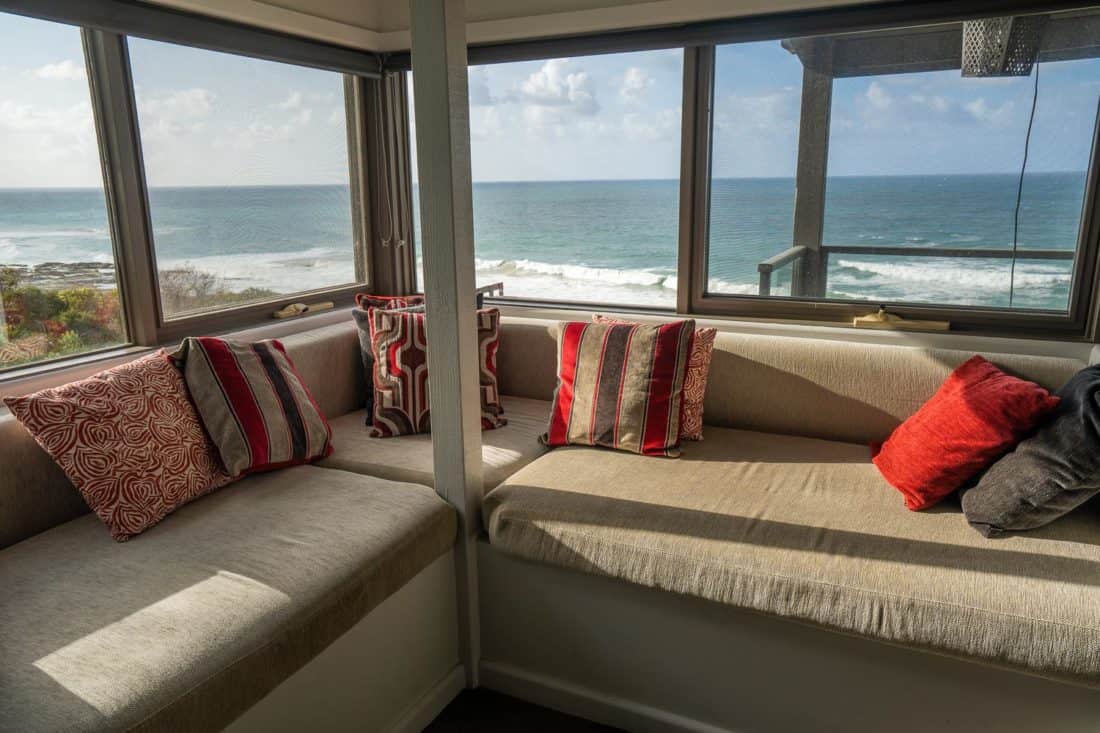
[(975, 417)]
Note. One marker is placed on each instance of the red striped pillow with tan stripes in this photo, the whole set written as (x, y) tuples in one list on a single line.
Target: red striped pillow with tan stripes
[(253, 404), (621, 386)]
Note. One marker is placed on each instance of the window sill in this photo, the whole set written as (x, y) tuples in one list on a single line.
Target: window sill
[(961, 340), (35, 377)]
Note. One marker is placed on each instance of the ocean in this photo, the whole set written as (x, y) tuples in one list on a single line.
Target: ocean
[(611, 241)]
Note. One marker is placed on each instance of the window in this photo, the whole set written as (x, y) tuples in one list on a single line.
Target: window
[(58, 280), (754, 156), (576, 177), (867, 168), (247, 168)]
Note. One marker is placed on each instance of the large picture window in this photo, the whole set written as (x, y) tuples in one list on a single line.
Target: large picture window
[(247, 167), (58, 280), (576, 177), (871, 168)]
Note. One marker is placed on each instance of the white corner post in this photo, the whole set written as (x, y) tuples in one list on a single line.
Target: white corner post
[(446, 216)]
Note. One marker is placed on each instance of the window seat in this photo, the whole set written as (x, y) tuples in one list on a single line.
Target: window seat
[(808, 530), (186, 626), (409, 457)]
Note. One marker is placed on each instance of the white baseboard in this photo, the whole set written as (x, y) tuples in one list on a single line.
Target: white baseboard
[(425, 710), (585, 702)]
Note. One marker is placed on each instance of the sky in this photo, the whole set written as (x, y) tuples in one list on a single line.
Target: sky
[(215, 119)]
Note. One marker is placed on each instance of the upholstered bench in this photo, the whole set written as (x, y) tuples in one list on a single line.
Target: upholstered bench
[(807, 529), (186, 626)]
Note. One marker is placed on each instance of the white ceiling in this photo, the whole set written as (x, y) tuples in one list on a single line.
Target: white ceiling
[(383, 25)]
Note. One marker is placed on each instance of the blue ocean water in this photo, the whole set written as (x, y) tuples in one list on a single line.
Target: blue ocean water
[(614, 241)]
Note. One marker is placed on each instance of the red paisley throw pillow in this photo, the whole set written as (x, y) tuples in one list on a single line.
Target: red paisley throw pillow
[(129, 439)]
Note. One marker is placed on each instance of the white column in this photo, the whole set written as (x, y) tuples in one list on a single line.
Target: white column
[(446, 216)]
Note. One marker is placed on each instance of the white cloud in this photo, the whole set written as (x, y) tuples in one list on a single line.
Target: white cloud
[(486, 123), (877, 97), (935, 102), (178, 113), (663, 125), (47, 144), (259, 133), (338, 116), (982, 111), (61, 71), (292, 101), (635, 84), (767, 112), (478, 82), (554, 85)]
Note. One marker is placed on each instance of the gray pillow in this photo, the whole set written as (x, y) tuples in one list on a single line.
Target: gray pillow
[(1048, 475)]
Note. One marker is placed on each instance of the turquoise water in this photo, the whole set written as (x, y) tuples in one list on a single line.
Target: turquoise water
[(614, 241), (617, 240)]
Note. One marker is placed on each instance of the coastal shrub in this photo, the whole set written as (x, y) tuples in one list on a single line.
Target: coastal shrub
[(187, 288), (39, 323)]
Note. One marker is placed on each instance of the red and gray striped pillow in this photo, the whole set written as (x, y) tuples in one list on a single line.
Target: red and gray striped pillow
[(695, 383), (621, 386), (254, 404)]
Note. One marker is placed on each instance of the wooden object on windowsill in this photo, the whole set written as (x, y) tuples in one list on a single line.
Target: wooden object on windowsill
[(888, 321), (300, 309)]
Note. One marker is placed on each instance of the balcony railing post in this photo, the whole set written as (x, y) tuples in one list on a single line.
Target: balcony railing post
[(813, 158)]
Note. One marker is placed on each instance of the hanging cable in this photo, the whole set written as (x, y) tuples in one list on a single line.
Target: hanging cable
[(1020, 187)]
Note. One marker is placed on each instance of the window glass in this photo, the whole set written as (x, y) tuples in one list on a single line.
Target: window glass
[(58, 281), (247, 167), (923, 169), (757, 92), (576, 177)]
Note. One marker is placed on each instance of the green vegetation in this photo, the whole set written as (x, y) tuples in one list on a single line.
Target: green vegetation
[(39, 323), (186, 289)]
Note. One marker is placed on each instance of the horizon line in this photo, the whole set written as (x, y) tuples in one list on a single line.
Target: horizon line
[(557, 180)]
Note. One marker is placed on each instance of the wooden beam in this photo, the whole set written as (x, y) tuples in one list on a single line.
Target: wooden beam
[(813, 159), (446, 216)]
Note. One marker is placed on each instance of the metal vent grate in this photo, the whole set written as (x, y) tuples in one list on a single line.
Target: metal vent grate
[(1001, 46)]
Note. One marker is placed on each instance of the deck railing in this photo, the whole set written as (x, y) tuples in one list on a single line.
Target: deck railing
[(800, 258)]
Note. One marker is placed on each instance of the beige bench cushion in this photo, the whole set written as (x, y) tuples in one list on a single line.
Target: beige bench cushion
[(409, 457), (35, 494), (187, 625), (807, 529)]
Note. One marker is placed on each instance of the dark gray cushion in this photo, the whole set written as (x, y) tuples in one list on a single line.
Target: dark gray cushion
[(1048, 475), (362, 321)]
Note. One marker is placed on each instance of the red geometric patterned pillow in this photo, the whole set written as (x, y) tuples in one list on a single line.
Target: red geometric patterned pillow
[(254, 404), (129, 439), (369, 300), (695, 384), (621, 386), (399, 341)]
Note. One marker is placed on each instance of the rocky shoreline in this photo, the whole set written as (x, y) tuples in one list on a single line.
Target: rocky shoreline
[(58, 275)]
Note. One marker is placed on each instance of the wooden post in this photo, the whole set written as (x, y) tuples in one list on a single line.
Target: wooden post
[(813, 159), (446, 214)]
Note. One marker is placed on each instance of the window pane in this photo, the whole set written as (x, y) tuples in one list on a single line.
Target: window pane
[(757, 91), (576, 177), (58, 284), (247, 167), (923, 168)]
